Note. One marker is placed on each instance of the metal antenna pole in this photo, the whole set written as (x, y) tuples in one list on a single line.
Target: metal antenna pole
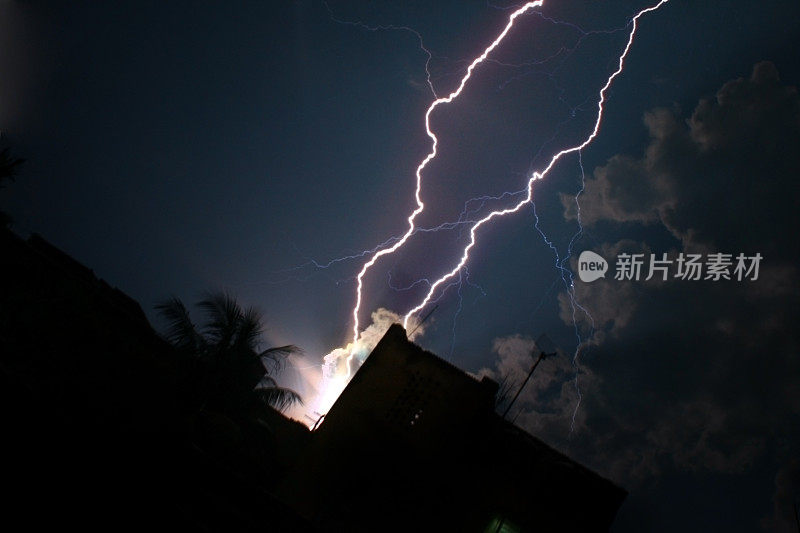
[(542, 355)]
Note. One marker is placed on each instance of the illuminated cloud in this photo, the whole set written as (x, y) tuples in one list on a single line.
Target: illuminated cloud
[(698, 378), (330, 380)]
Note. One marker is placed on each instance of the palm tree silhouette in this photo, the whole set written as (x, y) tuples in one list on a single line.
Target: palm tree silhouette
[(237, 376), (8, 166)]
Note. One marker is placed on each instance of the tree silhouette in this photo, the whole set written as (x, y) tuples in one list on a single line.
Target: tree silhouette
[(237, 376)]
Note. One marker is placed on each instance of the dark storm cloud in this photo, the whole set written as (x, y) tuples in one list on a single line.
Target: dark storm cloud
[(723, 177), (698, 378)]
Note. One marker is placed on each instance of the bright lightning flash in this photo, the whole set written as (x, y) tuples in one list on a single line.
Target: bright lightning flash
[(537, 175), (417, 194)]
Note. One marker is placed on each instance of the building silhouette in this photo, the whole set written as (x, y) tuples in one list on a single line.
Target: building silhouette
[(105, 429), (413, 444)]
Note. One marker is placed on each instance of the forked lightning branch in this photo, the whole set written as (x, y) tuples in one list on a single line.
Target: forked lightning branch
[(535, 176)]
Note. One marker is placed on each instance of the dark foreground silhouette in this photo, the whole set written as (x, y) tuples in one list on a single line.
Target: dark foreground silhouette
[(104, 424), (107, 426)]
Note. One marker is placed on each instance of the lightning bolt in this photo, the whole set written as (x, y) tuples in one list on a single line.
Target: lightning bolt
[(463, 220), (418, 191), (535, 176), (567, 279), (463, 277), (394, 243)]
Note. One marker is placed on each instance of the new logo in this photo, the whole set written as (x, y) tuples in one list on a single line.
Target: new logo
[(591, 266)]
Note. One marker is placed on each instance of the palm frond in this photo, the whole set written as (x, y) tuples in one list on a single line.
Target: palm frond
[(224, 316), (8, 166), (248, 334), (274, 359), (280, 398), (229, 342), (181, 331)]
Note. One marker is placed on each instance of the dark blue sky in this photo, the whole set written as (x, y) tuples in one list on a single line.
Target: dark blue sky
[(180, 147)]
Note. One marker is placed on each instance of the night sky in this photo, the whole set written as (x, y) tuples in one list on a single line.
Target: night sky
[(179, 147)]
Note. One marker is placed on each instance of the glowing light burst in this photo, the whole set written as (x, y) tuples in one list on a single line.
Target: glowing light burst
[(536, 175)]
